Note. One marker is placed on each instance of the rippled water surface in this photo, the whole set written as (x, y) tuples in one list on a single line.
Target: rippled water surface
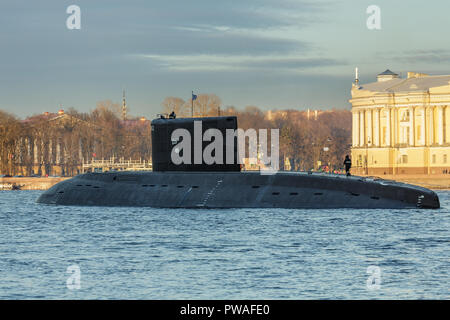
[(146, 253)]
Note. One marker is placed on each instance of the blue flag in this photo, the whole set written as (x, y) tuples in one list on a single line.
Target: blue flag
[(194, 96)]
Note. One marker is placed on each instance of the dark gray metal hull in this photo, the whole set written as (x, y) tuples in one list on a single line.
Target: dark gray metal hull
[(236, 190)]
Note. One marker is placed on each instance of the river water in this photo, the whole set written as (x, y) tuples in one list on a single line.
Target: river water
[(56, 252)]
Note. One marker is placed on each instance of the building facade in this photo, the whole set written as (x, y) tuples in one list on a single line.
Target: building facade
[(401, 125), (52, 144), (62, 144)]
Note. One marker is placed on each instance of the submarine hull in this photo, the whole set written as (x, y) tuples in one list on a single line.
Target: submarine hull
[(236, 190)]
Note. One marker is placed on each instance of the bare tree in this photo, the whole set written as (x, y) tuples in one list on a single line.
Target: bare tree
[(10, 129), (108, 105), (176, 105), (207, 105)]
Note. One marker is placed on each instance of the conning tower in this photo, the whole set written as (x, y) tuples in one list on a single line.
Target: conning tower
[(163, 144)]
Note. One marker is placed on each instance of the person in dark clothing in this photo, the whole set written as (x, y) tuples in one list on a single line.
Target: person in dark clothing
[(172, 115), (347, 164)]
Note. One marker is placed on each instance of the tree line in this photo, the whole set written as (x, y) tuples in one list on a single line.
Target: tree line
[(314, 142), (49, 144), (58, 144)]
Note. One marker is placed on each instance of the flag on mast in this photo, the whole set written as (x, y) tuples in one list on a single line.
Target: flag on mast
[(194, 96)]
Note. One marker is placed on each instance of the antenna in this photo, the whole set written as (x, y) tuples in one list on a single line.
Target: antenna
[(124, 107)]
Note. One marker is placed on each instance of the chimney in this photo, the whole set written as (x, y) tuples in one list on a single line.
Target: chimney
[(416, 75)]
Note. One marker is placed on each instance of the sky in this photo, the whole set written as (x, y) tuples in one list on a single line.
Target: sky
[(274, 54)]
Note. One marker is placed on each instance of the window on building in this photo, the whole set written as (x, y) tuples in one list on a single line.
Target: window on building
[(433, 158), (405, 116), (445, 158), (404, 158)]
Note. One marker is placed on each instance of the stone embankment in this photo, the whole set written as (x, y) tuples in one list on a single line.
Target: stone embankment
[(436, 182), (28, 183)]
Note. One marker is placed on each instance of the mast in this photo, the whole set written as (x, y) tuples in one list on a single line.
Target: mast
[(124, 107)]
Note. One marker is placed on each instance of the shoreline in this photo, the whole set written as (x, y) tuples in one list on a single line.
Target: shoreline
[(30, 183), (433, 182)]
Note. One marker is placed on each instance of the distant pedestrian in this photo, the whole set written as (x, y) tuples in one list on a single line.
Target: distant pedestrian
[(347, 164)]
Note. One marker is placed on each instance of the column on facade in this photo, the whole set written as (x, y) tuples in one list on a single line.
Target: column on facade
[(440, 126), (393, 126), (28, 147), (388, 127), (369, 127), (376, 128), (50, 153), (361, 128), (412, 140), (396, 126), (447, 124), (426, 117), (35, 152), (58, 152), (423, 140), (431, 126), (355, 129), (80, 153)]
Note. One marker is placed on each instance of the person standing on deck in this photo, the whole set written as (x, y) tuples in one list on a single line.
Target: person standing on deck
[(347, 164)]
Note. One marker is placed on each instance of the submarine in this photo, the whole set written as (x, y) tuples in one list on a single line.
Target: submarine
[(225, 185)]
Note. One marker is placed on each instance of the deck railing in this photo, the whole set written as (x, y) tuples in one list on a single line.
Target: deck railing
[(115, 164)]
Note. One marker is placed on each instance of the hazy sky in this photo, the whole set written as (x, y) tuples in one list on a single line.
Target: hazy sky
[(269, 53)]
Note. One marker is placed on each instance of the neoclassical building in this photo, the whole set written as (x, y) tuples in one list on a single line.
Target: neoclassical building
[(401, 125)]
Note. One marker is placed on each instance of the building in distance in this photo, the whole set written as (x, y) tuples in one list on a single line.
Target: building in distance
[(401, 125)]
